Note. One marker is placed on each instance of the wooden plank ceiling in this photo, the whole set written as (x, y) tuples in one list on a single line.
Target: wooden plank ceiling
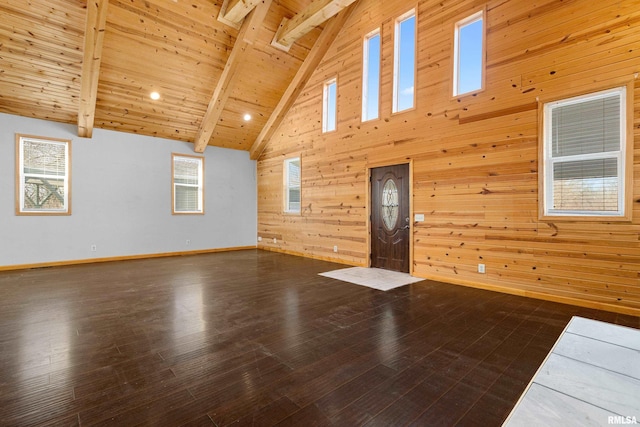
[(96, 64)]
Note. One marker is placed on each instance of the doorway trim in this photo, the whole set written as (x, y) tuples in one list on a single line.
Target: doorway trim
[(374, 165)]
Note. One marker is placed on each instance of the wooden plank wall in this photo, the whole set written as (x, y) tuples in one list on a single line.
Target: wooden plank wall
[(475, 159)]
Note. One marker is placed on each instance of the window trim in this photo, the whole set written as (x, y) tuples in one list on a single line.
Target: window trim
[(286, 187), (625, 166), (19, 177), (365, 75), (396, 57), (200, 186), (479, 15), (325, 105)]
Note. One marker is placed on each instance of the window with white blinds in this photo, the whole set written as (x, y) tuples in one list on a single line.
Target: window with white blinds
[(292, 185), (43, 184), (584, 149), (188, 184)]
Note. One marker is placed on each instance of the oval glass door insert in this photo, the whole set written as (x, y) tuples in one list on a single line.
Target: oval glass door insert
[(389, 204)]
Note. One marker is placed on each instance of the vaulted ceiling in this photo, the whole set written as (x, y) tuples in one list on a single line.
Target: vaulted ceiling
[(95, 64)]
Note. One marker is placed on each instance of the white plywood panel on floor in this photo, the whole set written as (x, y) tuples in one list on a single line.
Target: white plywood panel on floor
[(547, 407), (617, 393), (591, 376), (376, 278), (625, 337), (598, 353)]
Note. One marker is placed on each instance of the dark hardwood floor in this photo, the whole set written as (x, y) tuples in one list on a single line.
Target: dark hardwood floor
[(258, 338)]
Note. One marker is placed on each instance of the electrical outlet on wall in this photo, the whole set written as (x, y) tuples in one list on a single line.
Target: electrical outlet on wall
[(94, 248), (188, 242), (259, 238), (335, 248), (481, 268), (275, 240)]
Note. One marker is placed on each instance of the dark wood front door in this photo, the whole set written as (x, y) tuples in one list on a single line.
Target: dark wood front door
[(390, 222)]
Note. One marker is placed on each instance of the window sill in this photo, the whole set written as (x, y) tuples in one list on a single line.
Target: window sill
[(459, 96), (43, 213), (585, 218)]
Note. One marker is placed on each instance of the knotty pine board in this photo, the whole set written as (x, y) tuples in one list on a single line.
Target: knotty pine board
[(475, 158)]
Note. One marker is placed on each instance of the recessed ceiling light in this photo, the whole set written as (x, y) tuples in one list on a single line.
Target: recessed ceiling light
[(247, 117), (155, 96)]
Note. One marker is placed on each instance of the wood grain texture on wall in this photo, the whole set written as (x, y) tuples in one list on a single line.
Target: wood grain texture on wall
[(41, 53), (475, 158)]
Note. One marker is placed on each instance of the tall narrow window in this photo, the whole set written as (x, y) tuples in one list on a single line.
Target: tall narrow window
[(371, 76), (585, 157), (292, 185), (468, 69), (404, 62), (188, 184), (43, 183), (329, 112)]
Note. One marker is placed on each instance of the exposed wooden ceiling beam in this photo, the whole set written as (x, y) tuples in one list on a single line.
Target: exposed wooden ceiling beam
[(311, 62), (233, 12), (315, 14), (93, 38), (241, 49)]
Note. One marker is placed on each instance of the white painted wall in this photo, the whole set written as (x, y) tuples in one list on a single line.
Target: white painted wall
[(121, 199)]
